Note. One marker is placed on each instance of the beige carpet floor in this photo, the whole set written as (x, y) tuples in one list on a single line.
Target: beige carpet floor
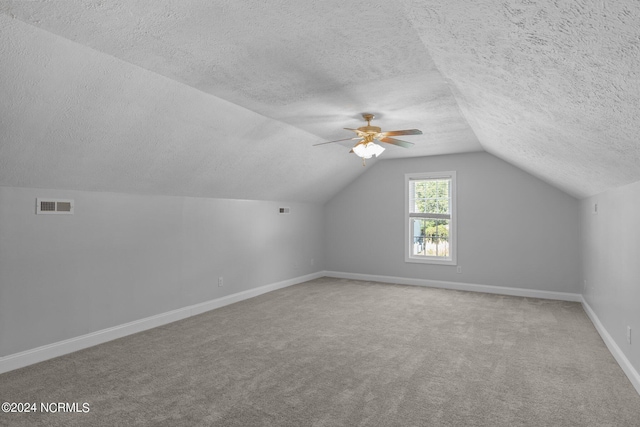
[(335, 352)]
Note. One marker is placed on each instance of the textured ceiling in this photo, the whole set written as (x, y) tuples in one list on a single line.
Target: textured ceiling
[(226, 99), (552, 87)]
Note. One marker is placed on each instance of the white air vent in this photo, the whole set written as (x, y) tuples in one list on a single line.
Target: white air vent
[(284, 210), (54, 206)]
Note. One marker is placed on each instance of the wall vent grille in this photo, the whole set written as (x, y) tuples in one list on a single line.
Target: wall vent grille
[(54, 206)]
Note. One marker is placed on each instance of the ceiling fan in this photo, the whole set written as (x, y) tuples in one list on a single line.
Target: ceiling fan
[(366, 148)]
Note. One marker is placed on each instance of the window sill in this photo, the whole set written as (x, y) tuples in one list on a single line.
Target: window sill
[(425, 260)]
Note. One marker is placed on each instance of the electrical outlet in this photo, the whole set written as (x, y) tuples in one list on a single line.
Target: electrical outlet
[(312, 262), (629, 334), (459, 269), (220, 282)]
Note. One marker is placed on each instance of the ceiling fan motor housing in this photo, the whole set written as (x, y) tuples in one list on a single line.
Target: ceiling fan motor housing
[(370, 129)]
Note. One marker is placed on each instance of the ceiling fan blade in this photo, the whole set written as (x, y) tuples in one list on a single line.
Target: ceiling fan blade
[(337, 140), (398, 142), (354, 130), (402, 132)]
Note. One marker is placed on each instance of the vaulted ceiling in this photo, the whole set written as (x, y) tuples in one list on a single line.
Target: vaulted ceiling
[(226, 98)]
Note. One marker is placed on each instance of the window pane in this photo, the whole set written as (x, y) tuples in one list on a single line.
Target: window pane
[(430, 237), (429, 196)]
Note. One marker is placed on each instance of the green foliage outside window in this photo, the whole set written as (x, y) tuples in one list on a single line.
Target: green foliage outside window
[(432, 196), (435, 229)]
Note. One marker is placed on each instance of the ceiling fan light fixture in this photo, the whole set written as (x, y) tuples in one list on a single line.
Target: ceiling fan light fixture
[(366, 151), (366, 148)]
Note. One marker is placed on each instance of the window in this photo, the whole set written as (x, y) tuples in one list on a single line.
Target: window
[(430, 219)]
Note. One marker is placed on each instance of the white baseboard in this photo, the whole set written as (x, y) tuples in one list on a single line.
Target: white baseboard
[(531, 293), (40, 354), (617, 353)]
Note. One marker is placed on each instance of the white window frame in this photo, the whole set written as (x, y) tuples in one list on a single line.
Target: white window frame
[(453, 222)]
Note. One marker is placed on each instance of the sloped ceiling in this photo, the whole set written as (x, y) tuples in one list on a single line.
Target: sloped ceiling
[(226, 98)]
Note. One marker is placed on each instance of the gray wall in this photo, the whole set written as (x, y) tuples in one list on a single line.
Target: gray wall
[(514, 230), (611, 263), (123, 257)]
